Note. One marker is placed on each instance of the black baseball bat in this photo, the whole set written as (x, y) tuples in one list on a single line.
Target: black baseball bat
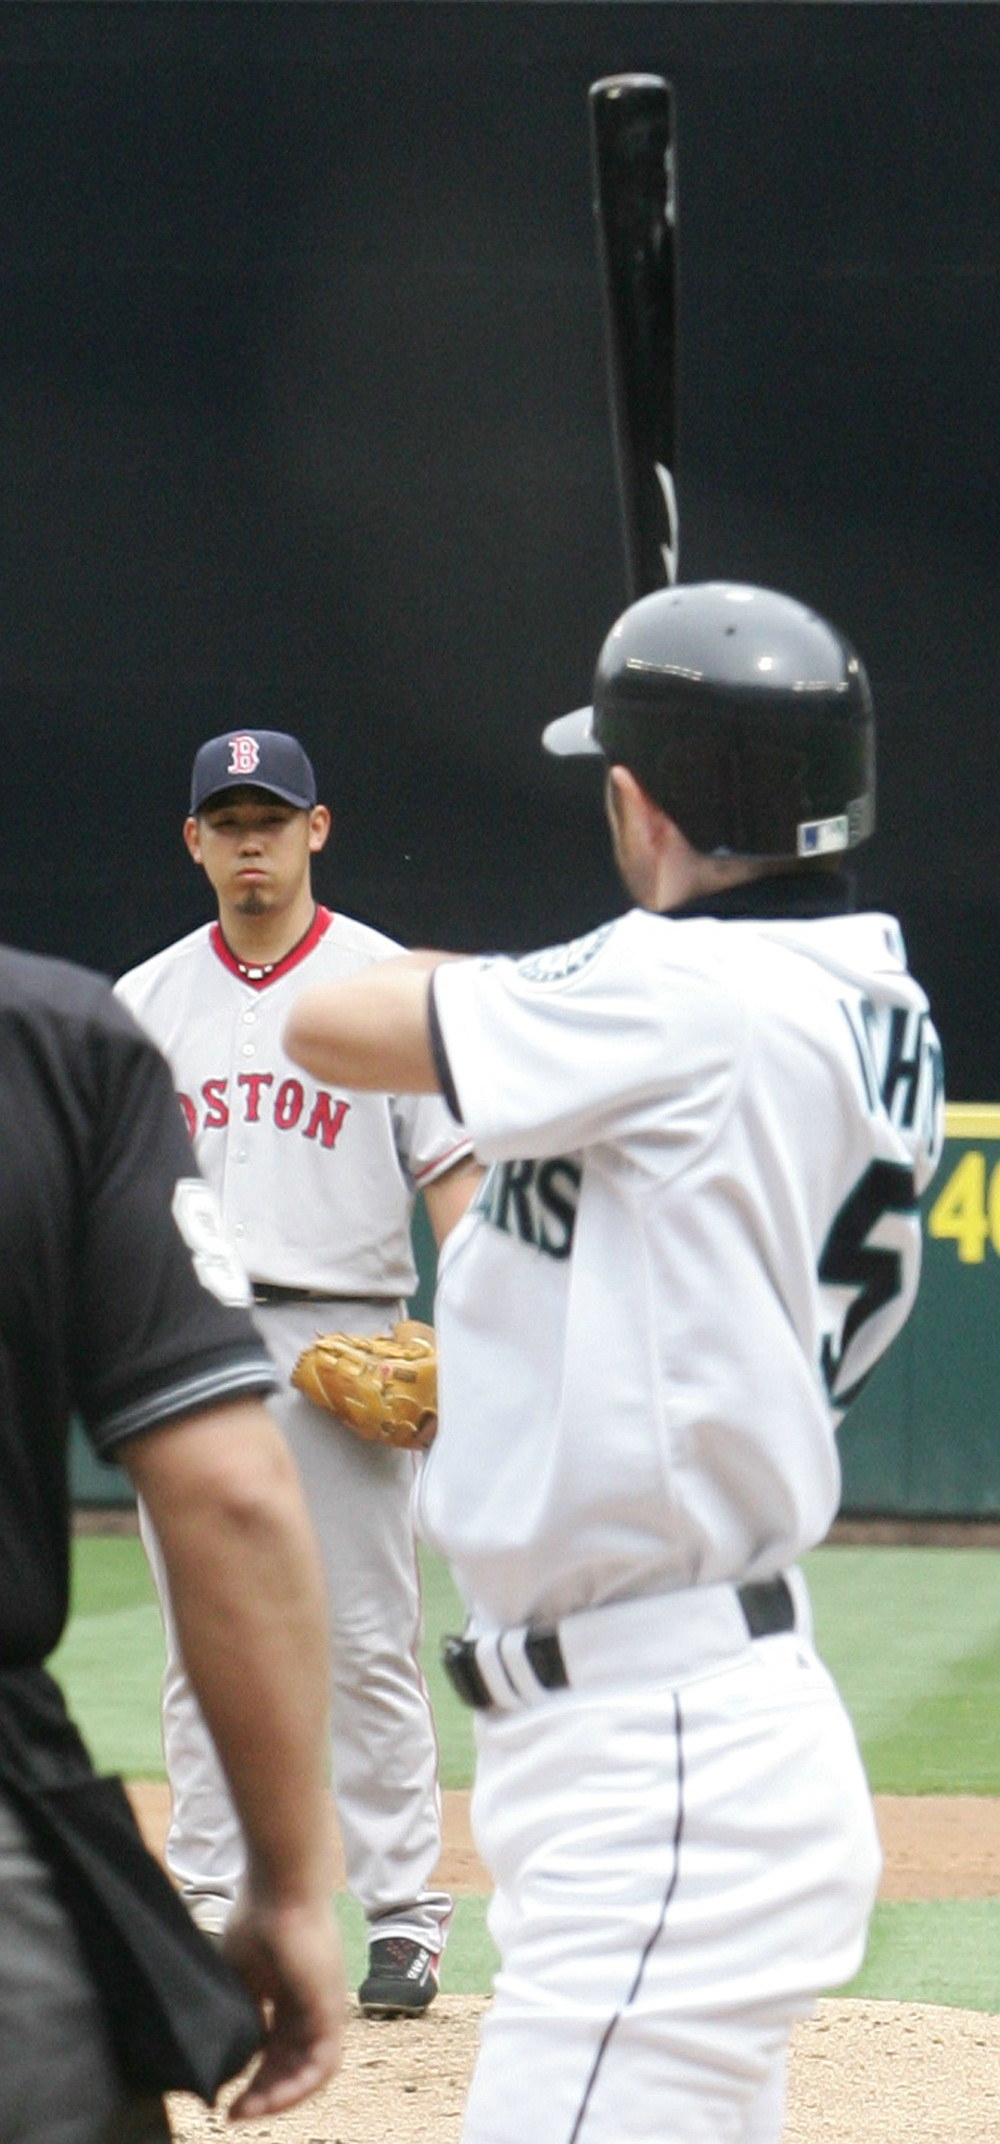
[(633, 163)]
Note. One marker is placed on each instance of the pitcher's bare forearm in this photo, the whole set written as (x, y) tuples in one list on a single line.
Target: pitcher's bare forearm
[(448, 1196)]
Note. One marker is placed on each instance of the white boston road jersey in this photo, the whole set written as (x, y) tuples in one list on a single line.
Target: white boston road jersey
[(707, 1142), (316, 1183)]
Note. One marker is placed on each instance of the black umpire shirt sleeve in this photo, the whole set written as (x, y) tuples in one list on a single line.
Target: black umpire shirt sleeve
[(152, 1339)]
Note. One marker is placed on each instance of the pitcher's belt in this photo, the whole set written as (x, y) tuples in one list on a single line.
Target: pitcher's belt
[(662, 1637), (269, 1291)]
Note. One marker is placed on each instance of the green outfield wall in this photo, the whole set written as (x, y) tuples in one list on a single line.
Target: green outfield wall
[(923, 1438)]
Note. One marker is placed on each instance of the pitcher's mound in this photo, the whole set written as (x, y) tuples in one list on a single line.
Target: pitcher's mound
[(861, 2073)]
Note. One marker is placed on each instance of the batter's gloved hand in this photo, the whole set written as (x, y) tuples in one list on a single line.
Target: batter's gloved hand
[(383, 1386)]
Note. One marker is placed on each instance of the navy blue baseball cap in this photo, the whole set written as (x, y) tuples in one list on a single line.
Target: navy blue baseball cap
[(254, 759)]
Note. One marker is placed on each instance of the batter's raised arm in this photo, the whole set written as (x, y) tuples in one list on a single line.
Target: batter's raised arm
[(371, 1029)]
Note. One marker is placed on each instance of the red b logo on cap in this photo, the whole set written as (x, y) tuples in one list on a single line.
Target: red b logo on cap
[(244, 755)]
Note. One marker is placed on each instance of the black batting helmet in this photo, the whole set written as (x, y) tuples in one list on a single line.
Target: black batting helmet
[(743, 714)]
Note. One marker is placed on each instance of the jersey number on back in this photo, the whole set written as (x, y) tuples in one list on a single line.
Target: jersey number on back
[(198, 1215), (874, 1270)]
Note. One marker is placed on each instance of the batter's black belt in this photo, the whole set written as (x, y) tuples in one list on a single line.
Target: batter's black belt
[(670, 1635)]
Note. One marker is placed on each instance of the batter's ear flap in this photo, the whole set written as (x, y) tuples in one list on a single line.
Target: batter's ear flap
[(320, 824)]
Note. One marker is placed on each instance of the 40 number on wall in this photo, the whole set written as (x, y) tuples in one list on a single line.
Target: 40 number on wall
[(966, 1209)]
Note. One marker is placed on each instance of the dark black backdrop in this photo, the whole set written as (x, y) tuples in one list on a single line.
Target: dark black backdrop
[(303, 422)]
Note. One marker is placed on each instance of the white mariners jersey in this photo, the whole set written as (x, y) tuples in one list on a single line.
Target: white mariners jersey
[(316, 1185), (698, 1234)]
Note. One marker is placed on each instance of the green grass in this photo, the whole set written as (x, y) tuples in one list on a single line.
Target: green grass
[(111, 1658), (944, 1951), (111, 1655), (109, 1572), (443, 1612), (912, 1636)]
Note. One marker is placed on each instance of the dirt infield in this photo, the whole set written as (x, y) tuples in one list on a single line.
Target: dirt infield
[(861, 2072)]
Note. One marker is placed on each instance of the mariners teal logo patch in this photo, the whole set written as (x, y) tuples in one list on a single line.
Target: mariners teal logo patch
[(555, 963), (535, 1201)]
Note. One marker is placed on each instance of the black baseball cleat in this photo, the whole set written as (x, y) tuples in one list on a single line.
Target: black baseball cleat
[(402, 1978)]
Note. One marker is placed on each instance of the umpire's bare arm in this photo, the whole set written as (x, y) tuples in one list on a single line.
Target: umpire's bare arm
[(247, 1593)]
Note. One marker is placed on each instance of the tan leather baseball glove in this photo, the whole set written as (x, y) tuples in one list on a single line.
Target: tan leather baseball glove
[(383, 1386)]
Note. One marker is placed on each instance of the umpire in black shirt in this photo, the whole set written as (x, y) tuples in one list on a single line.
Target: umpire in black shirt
[(121, 1301)]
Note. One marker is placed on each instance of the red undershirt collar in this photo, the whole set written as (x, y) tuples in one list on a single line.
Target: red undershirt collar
[(257, 974)]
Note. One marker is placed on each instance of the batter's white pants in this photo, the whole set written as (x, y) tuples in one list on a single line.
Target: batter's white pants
[(384, 1749), (680, 1870)]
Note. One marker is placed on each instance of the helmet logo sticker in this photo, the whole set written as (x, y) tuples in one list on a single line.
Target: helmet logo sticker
[(819, 837)]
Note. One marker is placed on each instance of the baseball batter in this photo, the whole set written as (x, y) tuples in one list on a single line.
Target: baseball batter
[(708, 1125), (316, 1185)]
